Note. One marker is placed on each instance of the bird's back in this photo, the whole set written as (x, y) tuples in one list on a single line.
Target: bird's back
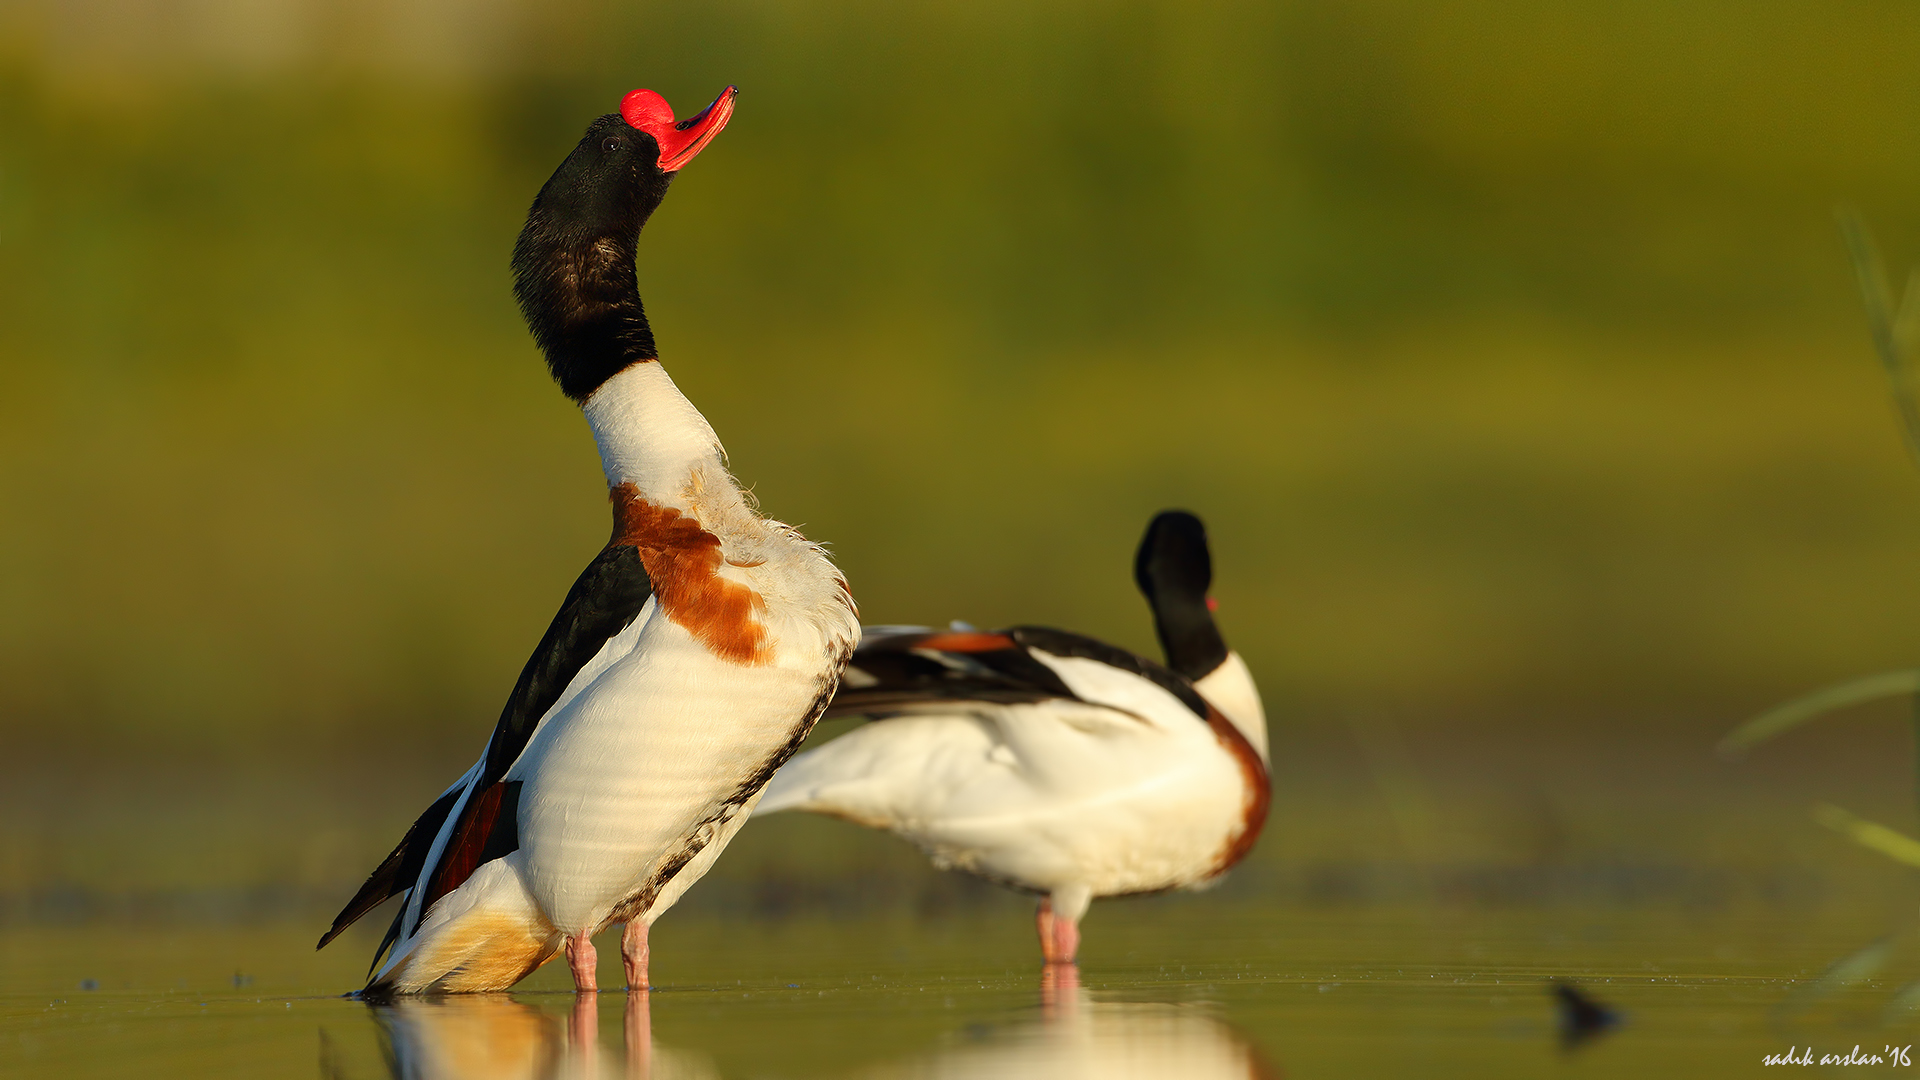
[(1024, 765)]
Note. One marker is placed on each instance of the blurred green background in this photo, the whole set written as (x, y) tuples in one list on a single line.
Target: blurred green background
[(1509, 350)]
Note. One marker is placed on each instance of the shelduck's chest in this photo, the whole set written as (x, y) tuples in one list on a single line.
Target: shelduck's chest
[(668, 717), (752, 594), (739, 648)]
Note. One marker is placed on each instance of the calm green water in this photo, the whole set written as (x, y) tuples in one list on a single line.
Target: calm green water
[(1193, 988)]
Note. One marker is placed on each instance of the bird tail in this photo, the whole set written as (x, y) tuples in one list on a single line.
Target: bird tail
[(487, 939)]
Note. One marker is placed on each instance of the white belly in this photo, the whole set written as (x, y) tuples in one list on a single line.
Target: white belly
[(645, 763), (1040, 796), (1122, 825)]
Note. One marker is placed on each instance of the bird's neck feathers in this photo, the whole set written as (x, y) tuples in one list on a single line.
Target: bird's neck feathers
[(1174, 569), (1188, 635), (1230, 688), (573, 274), (651, 436), (575, 280)]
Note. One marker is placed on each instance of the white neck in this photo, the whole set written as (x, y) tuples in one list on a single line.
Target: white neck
[(649, 434), (1230, 689)]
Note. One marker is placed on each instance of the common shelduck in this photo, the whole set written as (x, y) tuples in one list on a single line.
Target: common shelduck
[(1051, 762), (687, 662)]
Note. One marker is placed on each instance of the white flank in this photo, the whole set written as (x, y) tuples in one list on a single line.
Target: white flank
[(1131, 794)]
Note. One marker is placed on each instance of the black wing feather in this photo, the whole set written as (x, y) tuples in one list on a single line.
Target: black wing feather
[(1063, 643), (603, 601), (399, 870), (905, 670)]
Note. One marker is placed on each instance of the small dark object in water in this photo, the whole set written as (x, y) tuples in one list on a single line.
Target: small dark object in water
[(89, 984), (1581, 1017), (242, 979)]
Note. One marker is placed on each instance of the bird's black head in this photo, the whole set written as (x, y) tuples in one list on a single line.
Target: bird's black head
[(1174, 570), (573, 264)]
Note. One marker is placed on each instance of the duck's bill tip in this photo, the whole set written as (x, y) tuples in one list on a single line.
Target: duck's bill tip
[(680, 140)]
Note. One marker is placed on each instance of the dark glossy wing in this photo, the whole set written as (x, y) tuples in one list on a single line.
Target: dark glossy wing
[(604, 600), (896, 673), (400, 869)]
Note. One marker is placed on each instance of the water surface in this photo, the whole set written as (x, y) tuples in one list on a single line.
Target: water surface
[(1166, 988)]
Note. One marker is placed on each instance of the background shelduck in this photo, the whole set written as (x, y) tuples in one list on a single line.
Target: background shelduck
[(686, 664), (1050, 762)]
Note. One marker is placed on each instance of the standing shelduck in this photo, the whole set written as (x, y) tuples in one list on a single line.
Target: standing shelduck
[(1050, 762), (686, 664)]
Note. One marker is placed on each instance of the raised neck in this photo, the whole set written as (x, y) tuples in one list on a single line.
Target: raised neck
[(650, 435), (581, 299), (573, 262)]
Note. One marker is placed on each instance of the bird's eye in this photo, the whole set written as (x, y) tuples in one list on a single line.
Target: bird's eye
[(610, 144)]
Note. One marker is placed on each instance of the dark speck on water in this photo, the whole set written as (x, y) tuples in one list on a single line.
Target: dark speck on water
[(89, 984), (1581, 1018)]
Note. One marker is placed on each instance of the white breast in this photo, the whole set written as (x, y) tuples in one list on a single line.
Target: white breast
[(625, 770)]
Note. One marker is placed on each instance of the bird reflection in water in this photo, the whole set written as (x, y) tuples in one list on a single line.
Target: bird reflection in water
[(1078, 1037), (494, 1037)]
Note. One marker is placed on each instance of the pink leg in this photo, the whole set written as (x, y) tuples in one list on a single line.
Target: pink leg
[(639, 1038), (1043, 925), (1059, 935), (1066, 939), (633, 953), (584, 962)]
